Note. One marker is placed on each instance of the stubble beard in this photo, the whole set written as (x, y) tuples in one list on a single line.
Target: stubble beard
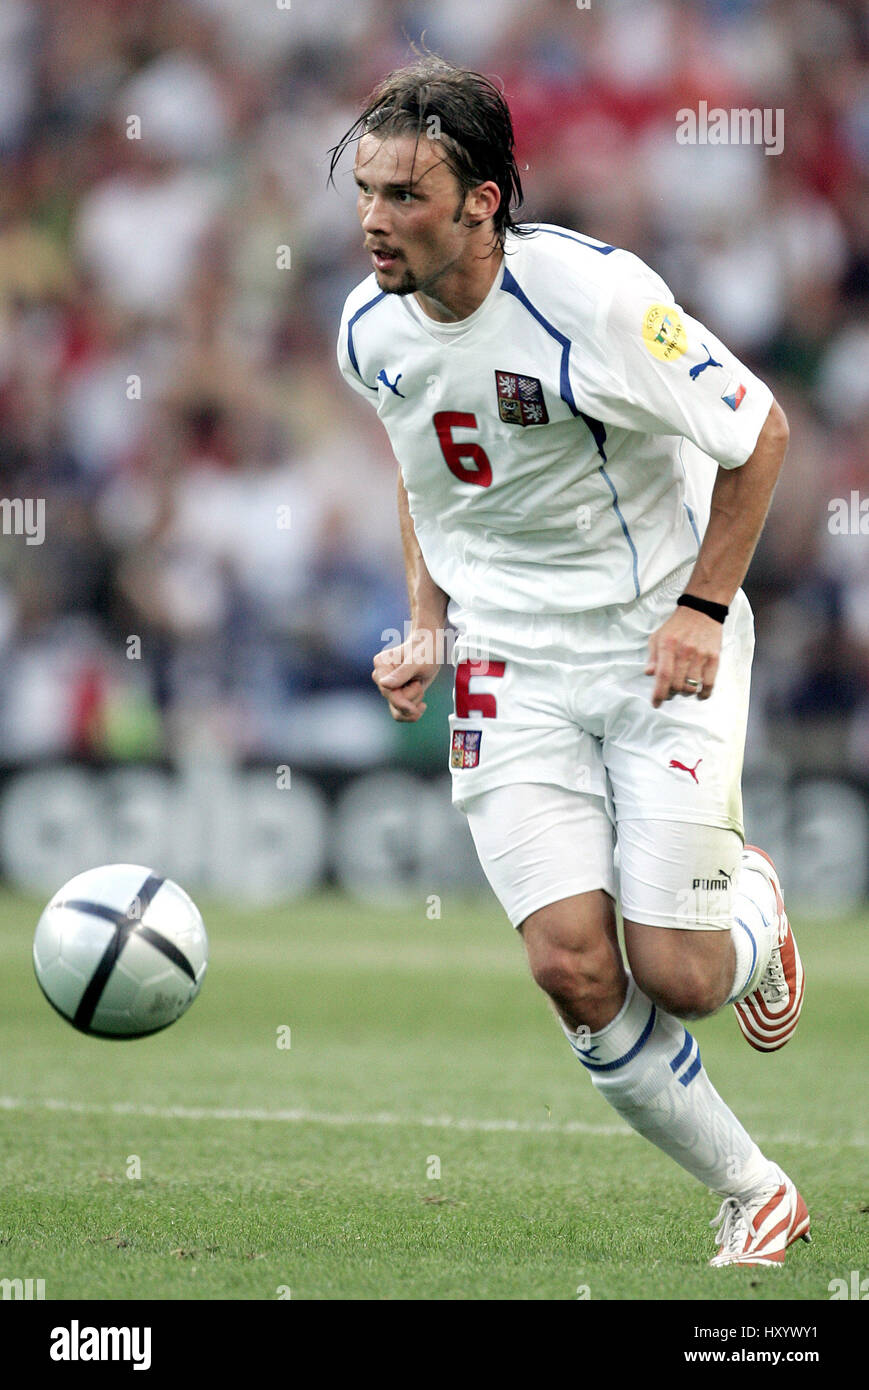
[(408, 284)]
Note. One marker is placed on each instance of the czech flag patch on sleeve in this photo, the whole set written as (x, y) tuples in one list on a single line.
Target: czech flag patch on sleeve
[(734, 395)]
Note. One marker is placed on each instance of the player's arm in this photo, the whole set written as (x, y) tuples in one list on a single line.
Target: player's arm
[(428, 602), (402, 674), (663, 372), (689, 642)]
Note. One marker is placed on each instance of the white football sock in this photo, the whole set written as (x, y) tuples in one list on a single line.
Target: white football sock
[(753, 930), (647, 1066)]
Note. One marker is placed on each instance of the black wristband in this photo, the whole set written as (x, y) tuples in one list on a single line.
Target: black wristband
[(718, 611)]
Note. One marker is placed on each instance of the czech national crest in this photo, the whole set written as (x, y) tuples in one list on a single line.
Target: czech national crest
[(520, 399)]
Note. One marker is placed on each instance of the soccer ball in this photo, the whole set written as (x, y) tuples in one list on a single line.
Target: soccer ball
[(120, 952)]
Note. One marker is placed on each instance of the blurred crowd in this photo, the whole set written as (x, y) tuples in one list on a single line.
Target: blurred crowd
[(221, 553)]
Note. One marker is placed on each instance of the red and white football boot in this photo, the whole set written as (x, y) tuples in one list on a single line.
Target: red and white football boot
[(758, 1231), (769, 1015)]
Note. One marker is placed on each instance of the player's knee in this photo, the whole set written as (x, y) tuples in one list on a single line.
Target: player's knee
[(571, 977)]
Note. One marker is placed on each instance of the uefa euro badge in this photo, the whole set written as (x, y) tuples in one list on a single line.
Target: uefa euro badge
[(466, 747), (520, 399)]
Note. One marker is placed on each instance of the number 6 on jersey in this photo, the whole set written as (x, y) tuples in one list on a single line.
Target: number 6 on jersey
[(445, 421)]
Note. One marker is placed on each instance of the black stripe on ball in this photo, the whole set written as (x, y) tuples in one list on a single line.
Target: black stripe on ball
[(124, 923)]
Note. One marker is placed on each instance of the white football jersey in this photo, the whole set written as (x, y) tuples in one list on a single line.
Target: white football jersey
[(541, 439)]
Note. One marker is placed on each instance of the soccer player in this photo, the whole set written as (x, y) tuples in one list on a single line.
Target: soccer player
[(537, 387)]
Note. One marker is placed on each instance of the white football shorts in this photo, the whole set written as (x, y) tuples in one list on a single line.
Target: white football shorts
[(557, 718)]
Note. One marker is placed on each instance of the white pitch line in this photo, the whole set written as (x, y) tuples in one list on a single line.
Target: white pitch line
[(317, 1117), (383, 1118)]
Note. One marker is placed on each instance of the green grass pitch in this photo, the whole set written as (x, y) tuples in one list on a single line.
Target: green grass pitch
[(417, 1046)]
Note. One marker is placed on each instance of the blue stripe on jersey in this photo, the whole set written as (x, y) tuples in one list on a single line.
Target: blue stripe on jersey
[(628, 1056), (350, 348), (598, 431), (624, 525), (602, 250), (693, 522), (685, 504)]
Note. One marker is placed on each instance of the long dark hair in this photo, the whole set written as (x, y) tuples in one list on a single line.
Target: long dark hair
[(461, 109)]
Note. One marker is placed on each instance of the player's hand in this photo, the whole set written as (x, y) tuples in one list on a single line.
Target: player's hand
[(403, 674), (686, 648)]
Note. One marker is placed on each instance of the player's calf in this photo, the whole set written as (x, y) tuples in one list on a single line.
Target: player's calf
[(676, 881), (686, 973)]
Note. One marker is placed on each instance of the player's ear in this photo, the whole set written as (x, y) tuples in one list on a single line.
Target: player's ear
[(481, 203)]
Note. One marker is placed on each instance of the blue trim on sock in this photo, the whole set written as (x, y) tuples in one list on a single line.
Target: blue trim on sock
[(628, 1056), (682, 1055), (681, 1058), (692, 1071), (739, 922)]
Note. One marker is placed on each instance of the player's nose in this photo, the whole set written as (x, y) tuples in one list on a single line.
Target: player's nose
[(373, 214)]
